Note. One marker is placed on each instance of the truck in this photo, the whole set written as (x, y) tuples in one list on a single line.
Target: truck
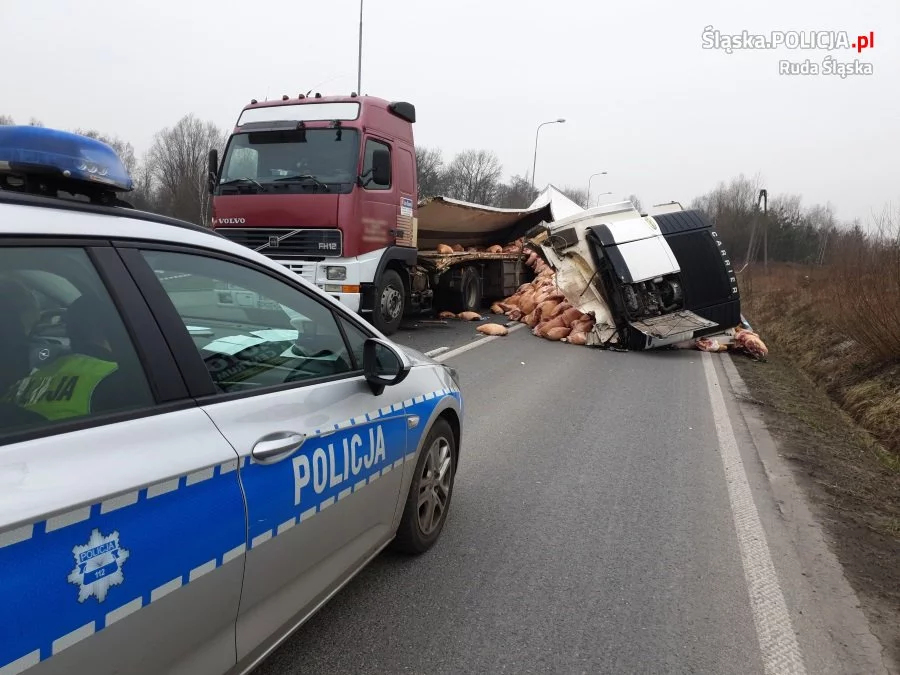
[(327, 186), (649, 279)]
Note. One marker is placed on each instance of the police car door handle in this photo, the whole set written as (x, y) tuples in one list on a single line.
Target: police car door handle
[(274, 447)]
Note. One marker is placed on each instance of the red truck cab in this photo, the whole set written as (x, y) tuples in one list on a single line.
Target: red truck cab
[(325, 185)]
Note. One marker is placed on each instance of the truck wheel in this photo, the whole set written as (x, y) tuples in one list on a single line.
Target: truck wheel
[(389, 303), (429, 493), (467, 297)]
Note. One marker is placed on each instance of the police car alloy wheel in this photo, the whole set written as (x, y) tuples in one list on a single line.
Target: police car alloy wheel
[(429, 495)]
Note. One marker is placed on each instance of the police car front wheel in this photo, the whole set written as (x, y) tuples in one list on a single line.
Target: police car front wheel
[(429, 494)]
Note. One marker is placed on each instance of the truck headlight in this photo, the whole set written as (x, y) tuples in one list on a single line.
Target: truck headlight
[(336, 273)]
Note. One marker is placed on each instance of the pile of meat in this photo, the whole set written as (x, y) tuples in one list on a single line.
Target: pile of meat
[(745, 341), (514, 247), (543, 307)]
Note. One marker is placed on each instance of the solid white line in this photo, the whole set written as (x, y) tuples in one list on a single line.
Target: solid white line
[(777, 640), (473, 345), (436, 351)]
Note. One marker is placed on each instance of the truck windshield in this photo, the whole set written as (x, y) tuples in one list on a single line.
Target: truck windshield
[(314, 159)]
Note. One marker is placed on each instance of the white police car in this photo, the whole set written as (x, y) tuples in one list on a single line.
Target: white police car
[(197, 448)]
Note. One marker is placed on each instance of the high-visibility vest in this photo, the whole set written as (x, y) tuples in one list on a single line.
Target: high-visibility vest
[(63, 388)]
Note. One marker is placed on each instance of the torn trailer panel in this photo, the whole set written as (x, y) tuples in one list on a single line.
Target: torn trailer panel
[(650, 281)]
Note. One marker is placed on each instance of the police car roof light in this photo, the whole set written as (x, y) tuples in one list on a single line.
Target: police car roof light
[(38, 151)]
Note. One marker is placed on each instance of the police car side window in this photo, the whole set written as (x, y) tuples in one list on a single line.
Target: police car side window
[(251, 330), (64, 350)]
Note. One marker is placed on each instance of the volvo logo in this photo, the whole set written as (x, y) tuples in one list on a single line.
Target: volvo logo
[(231, 221), (273, 241)]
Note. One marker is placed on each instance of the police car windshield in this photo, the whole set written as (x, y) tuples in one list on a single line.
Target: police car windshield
[(268, 157)]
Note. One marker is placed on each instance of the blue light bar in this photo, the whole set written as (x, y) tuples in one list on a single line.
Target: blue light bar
[(41, 151)]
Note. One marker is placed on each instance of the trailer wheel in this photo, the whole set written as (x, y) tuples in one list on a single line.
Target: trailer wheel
[(466, 297), (389, 302)]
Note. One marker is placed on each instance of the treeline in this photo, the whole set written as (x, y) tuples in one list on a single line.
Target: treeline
[(170, 178)]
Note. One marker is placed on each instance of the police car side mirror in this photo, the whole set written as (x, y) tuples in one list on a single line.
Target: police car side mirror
[(383, 365)]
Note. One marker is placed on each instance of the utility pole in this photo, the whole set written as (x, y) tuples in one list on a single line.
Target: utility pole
[(764, 198), (359, 60)]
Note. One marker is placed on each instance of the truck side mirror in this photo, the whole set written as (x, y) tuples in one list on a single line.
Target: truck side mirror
[(213, 175), (381, 167)]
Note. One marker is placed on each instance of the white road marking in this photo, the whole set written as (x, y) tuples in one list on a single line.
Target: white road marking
[(473, 345), (438, 350), (777, 639)]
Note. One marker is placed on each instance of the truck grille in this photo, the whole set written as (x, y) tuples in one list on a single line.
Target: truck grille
[(283, 242), (307, 270)]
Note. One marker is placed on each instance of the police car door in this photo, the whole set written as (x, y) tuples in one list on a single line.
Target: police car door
[(121, 515), (317, 449)]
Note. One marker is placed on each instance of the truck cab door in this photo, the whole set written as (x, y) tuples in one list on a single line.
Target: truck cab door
[(378, 206)]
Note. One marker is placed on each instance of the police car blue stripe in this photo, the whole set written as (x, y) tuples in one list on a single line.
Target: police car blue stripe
[(138, 519)]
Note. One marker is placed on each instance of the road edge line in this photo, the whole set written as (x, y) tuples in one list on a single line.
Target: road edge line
[(473, 345), (780, 650)]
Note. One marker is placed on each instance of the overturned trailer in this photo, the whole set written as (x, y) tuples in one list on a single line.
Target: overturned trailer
[(649, 280)]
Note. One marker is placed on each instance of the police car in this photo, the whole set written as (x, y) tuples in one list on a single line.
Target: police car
[(197, 448)]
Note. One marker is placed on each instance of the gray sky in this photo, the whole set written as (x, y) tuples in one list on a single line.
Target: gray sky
[(642, 98)]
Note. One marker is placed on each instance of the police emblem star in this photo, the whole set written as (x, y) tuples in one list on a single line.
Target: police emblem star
[(98, 566)]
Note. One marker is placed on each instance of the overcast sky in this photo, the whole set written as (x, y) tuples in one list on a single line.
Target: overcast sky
[(641, 97)]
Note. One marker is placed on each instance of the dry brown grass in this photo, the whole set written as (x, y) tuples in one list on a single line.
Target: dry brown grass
[(840, 324)]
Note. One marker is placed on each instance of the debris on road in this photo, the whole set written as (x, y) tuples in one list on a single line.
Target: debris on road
[(469, 316), (493, 329)]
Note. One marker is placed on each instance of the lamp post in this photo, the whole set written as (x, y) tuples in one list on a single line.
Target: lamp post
[(602, 173), (600, 195), (534, 166), (359, 59)]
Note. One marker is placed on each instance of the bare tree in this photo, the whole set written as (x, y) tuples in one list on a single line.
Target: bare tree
[(634, 199), (474, 176), (430, 172), (6, 121), (516, 194), (35, 122), (177, 167), (577, 195)]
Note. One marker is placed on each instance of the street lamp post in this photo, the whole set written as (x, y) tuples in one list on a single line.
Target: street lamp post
[(600, 195), (602, 173), (359, 59), (534, 165)]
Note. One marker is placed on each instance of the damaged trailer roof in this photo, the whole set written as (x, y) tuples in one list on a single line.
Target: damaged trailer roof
[(442, 220)]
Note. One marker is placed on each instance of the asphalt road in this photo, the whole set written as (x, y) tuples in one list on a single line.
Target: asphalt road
[(590, 531)]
